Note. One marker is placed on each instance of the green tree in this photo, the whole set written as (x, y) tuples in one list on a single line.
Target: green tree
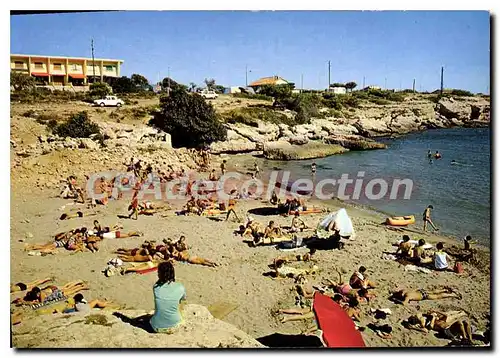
[(337, 84), (350, 85), (219, 89), (278, 92), (173, 85), (190, 120), (192, 87), (139, 81), (123, 85), (100, 90), (210, 82), (21, 81)]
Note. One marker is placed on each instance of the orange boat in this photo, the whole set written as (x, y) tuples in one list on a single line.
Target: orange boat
[(400, 220)]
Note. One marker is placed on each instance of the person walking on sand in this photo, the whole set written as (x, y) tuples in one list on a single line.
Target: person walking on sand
[(256, 170), (223, 167), (427, 218)]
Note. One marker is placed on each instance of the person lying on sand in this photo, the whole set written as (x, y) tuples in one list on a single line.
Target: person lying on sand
[(280, 270), (307, 257), (406, 295), (143, 254), (299, 314), (452, 321), (19, 287), (79, 304), (192, 207), (179, 251), (49, 293), (72, 241), (359, 279)]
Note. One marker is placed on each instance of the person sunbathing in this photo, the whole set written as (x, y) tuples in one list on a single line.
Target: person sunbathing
[(419, 254), (143, 254), (192, 207), (19, 287), (179, 251), (360, 280), (298, 224), (272, 231), (91, 243), (451, 321), (254, 228), (212, 176), (405, 247), (71, 240), (79, 304), (280, 270), (406, 295), (307, 257), (299, 314), (50, 293)]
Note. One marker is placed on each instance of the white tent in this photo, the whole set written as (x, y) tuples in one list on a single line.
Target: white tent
[(342, 222)]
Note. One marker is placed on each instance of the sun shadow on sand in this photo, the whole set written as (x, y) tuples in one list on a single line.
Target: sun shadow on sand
[(139, 322), (278, 340), (265, 211)]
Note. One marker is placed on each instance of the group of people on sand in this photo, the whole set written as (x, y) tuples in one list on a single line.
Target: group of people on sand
[(273, 232), (82, 238), (201, 157), (152, 255)]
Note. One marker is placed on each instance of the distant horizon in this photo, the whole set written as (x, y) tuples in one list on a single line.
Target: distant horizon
[(389, 49)]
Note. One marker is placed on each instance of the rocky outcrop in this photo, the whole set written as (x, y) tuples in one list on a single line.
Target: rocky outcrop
[(450, 108), (355, 142), (283, 150), (102, 329), (233, 146)]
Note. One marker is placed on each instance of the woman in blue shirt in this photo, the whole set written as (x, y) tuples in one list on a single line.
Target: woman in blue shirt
[(168, 294)]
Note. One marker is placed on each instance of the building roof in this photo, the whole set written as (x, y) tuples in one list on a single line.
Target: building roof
[(267, 81), (69, 58)]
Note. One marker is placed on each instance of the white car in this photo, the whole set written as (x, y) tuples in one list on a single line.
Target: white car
[(208, 94), (109, 101)]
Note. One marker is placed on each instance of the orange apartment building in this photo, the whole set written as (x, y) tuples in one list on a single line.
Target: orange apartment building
[(65, 71)]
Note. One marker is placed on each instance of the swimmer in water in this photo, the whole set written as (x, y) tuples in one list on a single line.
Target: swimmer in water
[(429, 154)]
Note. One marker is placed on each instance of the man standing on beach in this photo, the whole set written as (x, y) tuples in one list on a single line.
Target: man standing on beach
[(313, 169), (223, 167), (427, 218), (256, 170)]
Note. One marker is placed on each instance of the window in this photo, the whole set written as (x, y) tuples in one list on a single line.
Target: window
[(74, 67), (39, 65), (19, 64), (110, 68), (57, 66)]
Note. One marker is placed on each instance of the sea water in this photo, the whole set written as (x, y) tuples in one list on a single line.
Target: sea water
[(459, 193)]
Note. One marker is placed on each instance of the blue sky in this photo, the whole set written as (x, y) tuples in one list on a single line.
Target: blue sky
[(397, 46)]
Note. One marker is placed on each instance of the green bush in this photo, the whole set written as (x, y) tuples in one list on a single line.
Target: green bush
[(99, 90), (379, 101), (190, 120), (459, 92), (21, 81), (250, 115), (78, 126)]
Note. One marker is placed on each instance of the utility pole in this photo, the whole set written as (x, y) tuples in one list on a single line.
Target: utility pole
[(93, 60), (301, 83), (385, 83), (329, 82), (168, 80), (413, 85), (363, 81), (442, 75), (246, 76)]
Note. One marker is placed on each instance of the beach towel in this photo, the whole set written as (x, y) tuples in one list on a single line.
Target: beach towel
[(291, 245), (338, 329), (342, 221), (221, 309)]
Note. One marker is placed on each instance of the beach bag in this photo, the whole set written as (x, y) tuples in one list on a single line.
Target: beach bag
[(458, 268)]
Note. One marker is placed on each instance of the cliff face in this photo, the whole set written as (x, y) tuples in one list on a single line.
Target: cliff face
[(353, 128), (102, 329)]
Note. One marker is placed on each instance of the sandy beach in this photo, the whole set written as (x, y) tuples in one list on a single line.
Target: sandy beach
[(239, 277)]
